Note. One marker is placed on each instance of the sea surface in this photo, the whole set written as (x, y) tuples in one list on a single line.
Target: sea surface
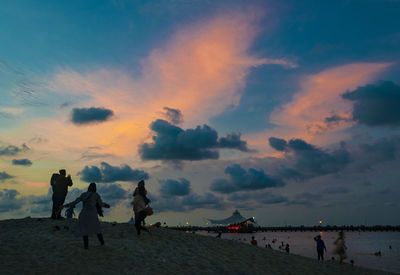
[(361, 246)]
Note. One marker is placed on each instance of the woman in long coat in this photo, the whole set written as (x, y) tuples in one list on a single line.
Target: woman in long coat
[(89, 223)]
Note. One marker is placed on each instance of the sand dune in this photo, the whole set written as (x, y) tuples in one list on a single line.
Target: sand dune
[(45, 246)]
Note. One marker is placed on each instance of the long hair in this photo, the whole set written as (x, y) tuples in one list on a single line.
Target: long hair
[(141, 190), (92, 187)]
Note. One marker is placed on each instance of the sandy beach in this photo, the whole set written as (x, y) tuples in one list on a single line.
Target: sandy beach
[(45, 246)]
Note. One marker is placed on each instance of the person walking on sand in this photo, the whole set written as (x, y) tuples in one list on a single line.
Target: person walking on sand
[(320, 247), (89, 223), (140, 203), (340, 247), (253, 241), (59, 184)]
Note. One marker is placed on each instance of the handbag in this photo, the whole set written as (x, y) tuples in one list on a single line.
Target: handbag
[(149, 211)]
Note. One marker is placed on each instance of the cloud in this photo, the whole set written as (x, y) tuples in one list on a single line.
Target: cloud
[(9, 200), (200, 70), (186, 203), (259, 197), (381, 150), (240, 179), (311, 109), (90, 115), (304, 160), (376, 104), (23, 162), (4, 176), (173, 115), (174, 143), (112, 193), (336, 190), (306, 198), (12, 150), (233, 141), (170, 187), (208, 200), (107, 173), (277, 143)]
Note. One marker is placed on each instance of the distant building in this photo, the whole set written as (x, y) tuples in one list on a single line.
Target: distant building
[(235, 218)]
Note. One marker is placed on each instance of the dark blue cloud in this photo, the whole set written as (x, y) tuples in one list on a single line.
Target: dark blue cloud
[(382, 150), (186, 203), (112, 193), (5, 176), (336, 190), (306, 198), (233, 141), (334, 119), (108, 173), (170, 187), (277, 143), (173, 115), (175, 144), (9, 200), (240, 179), (12, 150), (376, 104), (90, 115), (208, 200), (304, 160), (23, 162)]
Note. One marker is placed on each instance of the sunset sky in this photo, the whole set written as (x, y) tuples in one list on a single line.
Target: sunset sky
[(288, 111)]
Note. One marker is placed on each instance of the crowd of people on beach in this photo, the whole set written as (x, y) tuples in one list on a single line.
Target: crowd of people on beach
[(92, 205)]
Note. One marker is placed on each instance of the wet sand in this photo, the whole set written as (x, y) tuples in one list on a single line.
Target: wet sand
[(45, 246)]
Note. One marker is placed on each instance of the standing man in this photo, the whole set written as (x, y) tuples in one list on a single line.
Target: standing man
[(320, 247), (59, 184)]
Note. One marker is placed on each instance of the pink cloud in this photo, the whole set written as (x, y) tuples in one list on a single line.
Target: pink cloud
[(201, 71), (319, 98)]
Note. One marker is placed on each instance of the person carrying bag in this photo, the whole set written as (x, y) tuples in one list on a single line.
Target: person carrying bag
[(141, 207)]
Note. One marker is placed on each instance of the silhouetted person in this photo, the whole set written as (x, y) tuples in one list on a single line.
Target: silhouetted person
[(140, 202), (287, 249), (89, 223), (253, 241), (320, 247), (59, 183), (340, 248), (69, 213)]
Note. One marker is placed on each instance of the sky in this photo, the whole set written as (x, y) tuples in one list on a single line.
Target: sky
[(284, 110)]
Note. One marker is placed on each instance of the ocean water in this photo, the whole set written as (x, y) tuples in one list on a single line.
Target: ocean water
[(361, 246)]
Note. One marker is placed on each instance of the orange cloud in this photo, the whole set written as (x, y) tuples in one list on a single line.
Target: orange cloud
[(201, 71), (319, 98)]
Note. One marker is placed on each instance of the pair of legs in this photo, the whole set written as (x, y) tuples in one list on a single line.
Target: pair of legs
[(320, 254), (139, 218), (58, 201), (86, 240)]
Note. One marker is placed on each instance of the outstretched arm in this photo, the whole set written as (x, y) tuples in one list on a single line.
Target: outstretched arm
[(103, 204), (72, 204)]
